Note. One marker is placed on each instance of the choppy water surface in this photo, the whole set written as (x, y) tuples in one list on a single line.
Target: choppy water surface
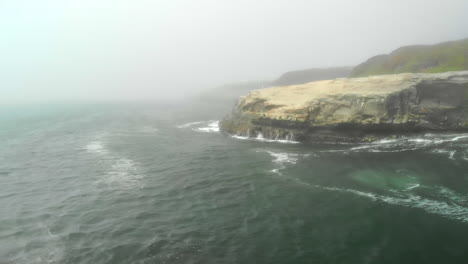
[(147, 184)]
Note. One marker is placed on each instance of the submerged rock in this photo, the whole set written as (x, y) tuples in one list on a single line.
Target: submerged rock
[(354, 109)]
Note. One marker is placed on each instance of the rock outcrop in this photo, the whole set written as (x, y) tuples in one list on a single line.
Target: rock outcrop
[(354, 109)]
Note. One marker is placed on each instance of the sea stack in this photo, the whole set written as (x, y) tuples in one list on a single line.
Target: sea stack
[(354, 109)]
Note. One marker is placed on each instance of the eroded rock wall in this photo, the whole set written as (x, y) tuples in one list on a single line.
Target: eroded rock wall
[(359, 109)]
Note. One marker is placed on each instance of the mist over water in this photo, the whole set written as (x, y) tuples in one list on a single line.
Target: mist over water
[(149, 184), (122, 50)]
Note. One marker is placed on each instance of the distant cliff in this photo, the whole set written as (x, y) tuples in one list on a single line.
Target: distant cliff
[(220, 99), (443, 57), (223, 97), (354, 109), (310, 75)]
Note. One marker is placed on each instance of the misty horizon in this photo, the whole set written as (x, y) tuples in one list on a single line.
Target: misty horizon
[(169, 50)]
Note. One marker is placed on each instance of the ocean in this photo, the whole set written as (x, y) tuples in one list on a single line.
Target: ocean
[(129, 183)]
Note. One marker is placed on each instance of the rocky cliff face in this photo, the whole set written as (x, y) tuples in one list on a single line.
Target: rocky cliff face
[(355, 109)]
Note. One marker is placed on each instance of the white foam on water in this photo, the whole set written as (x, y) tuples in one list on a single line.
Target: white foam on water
[(411, 187), (459, 137), (452, 195), (193, 123), (385, 141), (284, 157), (420, 140), (260, 136), (262, 139), (452, 211), (123, 172), (451, 153), (212, 127), (449, 144), (276, 171), (240, 137), (96, 147), (392, 150), (361, 147)]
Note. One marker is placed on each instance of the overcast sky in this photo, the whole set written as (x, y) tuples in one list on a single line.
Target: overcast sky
[(56, 50)]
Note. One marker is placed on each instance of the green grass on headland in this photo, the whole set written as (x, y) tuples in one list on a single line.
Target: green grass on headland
[(443, 57)]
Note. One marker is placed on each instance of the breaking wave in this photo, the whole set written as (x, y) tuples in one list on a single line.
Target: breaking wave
[(451, 209), (260, 138), (280, 159), (192, 124), (211, 127), (454, 146), (202, 126)]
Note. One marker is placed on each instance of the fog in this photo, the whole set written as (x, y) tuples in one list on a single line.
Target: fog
[(127, 50)]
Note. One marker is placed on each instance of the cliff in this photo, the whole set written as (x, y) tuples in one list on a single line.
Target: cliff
[(443, 57), (310, 75), (354, 109)]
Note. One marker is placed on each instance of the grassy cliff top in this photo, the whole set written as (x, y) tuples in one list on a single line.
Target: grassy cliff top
[(442, 57), (280, 100)]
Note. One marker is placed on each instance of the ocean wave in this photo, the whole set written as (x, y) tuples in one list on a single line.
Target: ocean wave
[(452, 211), (193, 124), (451, 195), (262, 139), (211, 127), (450, 153), (282, 158), (414, 186), (451, 145)]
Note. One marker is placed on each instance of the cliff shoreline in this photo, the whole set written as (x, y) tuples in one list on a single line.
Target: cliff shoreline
[(354, 109)]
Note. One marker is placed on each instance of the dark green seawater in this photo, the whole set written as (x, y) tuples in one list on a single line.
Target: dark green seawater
[(145, 184)]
